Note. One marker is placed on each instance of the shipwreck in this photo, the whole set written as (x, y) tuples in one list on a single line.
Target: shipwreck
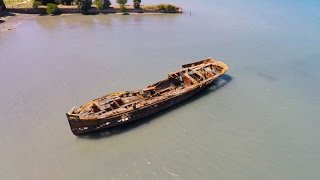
[(123, 107)]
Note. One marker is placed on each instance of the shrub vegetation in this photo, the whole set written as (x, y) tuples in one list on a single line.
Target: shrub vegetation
[(36, 4), (102, 4), (64, 2), (167, 7), (136, 4), (123, 9), (2, 6), (84, 6), (52, 8), (122, 2), (45, 2)]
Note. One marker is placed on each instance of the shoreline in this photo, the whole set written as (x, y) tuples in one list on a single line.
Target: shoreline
[(91, 11), (113, 9), (10, 19), (10, 22)]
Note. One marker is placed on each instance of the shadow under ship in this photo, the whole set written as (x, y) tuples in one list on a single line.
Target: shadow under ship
[(123, 107)]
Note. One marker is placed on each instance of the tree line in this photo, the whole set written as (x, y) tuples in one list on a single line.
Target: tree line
[(83, 5)]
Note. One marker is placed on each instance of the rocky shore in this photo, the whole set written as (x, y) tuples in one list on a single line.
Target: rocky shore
[(9, 21)]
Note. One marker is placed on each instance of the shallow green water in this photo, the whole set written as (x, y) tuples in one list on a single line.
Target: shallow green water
[(260, 121)]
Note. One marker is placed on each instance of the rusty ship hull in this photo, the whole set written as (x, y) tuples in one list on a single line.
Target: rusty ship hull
[(123, 107)]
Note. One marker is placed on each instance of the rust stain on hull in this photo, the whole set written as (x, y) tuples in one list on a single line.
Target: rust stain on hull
[(122, 107)]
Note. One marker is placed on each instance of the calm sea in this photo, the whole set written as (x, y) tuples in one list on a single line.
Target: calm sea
[(259, 121)]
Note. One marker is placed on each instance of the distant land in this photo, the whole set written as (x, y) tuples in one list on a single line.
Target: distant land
[(14, 12), (80, 6)]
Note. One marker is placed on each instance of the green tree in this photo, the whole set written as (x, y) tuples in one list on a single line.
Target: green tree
[(52, 8), (170, 7), (136, 3), (36, 4), (84, 6), (45, 2), (64, 2), (167, 7), (122, 2), (102, 4), (2, 6), (123, 9)]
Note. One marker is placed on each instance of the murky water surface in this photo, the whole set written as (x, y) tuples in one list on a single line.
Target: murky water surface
[(260, 121)]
